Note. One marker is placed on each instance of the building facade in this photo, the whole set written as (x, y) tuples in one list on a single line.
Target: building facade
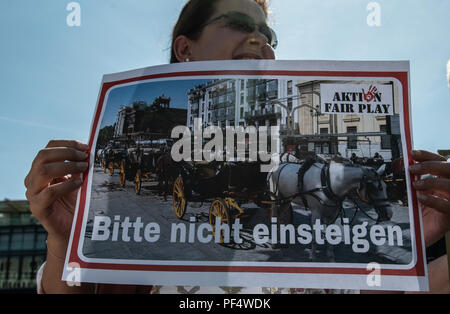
[(128, 118), (345, 134), (143, 121), (22, 247), (242, 102)]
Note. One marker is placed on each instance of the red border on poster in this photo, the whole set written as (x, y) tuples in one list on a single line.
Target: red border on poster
[(417, 270)]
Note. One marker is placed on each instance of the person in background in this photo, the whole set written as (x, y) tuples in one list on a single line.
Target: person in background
[(206, 30)]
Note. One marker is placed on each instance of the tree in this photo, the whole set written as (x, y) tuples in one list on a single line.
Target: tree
[(105, 135)]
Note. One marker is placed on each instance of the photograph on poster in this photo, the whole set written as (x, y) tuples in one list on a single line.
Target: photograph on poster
[(245, 170)]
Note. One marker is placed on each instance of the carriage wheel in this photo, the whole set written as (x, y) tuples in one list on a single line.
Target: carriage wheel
[(111, 168), (138, 182), (122, 179), (179, 199), (219, 209)]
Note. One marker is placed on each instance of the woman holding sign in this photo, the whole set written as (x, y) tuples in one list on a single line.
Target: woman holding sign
[(206, 30)]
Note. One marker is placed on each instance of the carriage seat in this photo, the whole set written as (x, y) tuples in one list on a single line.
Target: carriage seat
[(205, 170)]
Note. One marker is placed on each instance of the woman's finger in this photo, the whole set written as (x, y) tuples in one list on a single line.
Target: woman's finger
[(437, 168), (46, 173), (40, 204), (48, 155), (423, 155), (55, 154), (68, 143), (76, 176), (433, 184), (436, 203), (59, 180)]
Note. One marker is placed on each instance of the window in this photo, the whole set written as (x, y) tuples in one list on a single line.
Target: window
[(272, 89), (289, 87), (4, 240), (29, 268), (17, 240), (385, 139), (352, 141), (323, 130), (41, 240), (322, 148), (3, 269), (14, 266), (28, 239)]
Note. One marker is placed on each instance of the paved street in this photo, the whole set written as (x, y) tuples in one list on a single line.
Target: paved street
[(109, 199)]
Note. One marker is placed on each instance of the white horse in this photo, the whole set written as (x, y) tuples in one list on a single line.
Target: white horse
[(322, 187)]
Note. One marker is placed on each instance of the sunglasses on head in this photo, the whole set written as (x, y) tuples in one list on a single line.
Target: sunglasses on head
[(243, 23)]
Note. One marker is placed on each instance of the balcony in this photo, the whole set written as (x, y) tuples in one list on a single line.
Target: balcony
[(222, 105), (230, 116), (251, 99), (264, 114), (262, 96), (251, 83), (272, 94)]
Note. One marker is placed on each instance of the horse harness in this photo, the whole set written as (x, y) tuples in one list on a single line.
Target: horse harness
[(369, 176), (325, 186)]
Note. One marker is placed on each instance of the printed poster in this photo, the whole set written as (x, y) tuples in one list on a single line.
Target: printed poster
[(286, 174)]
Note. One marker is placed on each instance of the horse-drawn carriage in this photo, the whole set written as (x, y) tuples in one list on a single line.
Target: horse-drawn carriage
[(375, 162), (396, 181), (113, 155), (395, 175), (319, 185), (141, 160), (226, 185)]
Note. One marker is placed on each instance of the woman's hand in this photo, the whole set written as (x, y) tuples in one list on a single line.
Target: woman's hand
[(52, 193), (433, 193)]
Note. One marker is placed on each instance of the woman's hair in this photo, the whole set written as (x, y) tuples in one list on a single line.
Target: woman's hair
[(195, 13)]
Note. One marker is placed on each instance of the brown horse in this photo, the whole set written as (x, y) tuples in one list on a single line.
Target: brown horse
[(167, 171)]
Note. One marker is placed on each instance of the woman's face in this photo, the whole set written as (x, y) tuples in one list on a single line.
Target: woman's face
[(219, 42)]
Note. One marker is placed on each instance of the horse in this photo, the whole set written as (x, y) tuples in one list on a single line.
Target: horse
[(321, 187), (167, 171), (99, 156)]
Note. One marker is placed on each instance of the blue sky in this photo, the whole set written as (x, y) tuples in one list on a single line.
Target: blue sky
[(124, 96), (50, 73)]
